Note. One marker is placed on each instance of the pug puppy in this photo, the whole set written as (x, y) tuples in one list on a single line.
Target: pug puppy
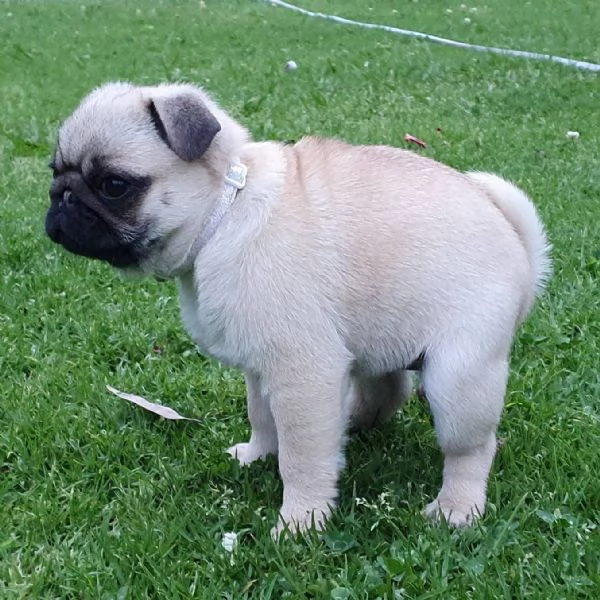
[(325, 271)]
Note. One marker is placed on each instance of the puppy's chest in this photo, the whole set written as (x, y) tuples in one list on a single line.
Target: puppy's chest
[(210, 325)]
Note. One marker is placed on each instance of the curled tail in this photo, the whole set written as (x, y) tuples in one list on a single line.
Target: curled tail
[(521, 213)]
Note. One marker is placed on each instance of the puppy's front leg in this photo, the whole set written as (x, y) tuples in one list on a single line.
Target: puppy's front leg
[(307, 407), (263, 440)]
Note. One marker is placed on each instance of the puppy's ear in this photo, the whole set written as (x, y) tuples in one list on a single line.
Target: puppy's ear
[(184, 123)]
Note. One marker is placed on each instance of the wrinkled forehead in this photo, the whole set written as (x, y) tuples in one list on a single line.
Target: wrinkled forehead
[(112, 125)]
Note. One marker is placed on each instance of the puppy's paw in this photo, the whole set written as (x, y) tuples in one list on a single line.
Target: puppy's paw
[(297, 520), (456, 514), (247, 453)]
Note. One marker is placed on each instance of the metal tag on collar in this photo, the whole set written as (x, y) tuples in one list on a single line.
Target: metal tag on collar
[(236, 176)]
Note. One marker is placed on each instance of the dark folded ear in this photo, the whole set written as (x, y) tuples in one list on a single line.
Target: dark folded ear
[(184, 123)]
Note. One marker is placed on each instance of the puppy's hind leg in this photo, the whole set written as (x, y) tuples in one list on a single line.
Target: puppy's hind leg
[(466, 395), (375, 400)]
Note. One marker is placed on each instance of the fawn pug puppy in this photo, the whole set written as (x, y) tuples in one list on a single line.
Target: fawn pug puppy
[(324, 270)]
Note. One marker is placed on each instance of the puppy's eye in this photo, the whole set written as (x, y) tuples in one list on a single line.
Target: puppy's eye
[(113, 188)]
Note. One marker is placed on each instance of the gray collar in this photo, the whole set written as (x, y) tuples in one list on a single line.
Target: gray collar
[(235, 180)]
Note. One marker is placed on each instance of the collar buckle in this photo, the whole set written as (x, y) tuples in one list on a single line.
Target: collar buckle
[(236, 175)]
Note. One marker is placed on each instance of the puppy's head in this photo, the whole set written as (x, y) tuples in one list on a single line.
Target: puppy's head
[(137, 167)]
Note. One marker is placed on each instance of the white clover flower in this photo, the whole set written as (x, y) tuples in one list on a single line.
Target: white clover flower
[(229, 541)]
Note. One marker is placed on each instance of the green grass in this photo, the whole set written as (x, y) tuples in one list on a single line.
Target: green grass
[(101, 500)]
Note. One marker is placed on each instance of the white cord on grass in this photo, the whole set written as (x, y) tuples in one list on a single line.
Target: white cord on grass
[(579, 64)]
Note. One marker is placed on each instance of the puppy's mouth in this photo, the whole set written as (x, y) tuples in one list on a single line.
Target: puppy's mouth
[(85, 226)]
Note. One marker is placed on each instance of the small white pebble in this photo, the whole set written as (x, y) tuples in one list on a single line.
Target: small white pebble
[(473, 9), (448, 11), (573, 135), (291, 65), (366, 64), (467, 20), (229, 541), (463, 6)]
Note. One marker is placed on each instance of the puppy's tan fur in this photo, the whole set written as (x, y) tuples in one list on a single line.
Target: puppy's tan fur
[(336, 268)]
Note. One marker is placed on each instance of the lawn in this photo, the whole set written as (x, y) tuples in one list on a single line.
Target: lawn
[(99, 499)]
